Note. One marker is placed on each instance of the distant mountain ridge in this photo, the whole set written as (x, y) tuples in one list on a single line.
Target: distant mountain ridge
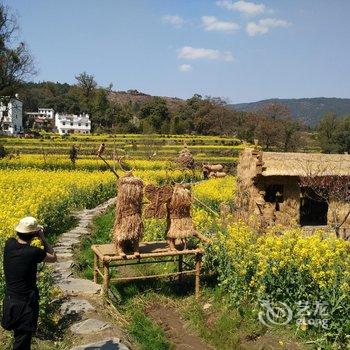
[(309, 110)]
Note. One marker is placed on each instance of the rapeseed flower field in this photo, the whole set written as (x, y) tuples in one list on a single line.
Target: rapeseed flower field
[(34, 192)]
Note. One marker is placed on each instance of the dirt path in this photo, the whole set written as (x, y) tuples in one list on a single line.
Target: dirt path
[(175, 328)]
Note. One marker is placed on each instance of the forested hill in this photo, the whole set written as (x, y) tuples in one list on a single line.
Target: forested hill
[(309, 110)]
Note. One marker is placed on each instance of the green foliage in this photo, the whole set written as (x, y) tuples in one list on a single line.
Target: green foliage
[(2, 152), (155, 230), (55, 215), (228, 324), (46, 292), (156, 113), (147, 333), (288, 268), (103, 228), (334, 134)]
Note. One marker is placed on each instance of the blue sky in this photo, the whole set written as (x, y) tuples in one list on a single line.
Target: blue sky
[(240, 50)]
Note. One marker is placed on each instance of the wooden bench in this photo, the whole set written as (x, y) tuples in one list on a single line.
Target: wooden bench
[(106, 257)]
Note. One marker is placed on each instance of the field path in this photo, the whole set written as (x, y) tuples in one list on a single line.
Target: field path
[(81, 305), (175, 328)]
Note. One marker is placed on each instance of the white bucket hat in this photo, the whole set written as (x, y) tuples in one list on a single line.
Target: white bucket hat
[(28, 225)]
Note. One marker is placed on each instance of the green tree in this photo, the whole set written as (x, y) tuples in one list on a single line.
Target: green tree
[(2, 152), (326, 130), (268, 132), (342, 135), (290, 134), (100, 108), (87, 84), (157, 115)]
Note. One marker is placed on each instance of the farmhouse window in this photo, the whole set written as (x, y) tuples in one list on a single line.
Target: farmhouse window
[(274, 194)]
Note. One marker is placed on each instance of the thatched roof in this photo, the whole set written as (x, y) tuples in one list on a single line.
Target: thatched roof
[(305, 164)]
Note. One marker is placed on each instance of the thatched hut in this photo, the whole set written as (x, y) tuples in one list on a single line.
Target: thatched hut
[(272, 186)]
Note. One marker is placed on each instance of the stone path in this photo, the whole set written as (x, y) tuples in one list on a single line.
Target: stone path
[(78, 293)]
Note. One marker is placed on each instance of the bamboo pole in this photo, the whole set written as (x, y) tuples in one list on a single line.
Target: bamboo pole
[(180, 260), (106, 279), (110, 258), (198, 275), (110, 168), (119, 279), (206, 206), (95, 268), (100, 273), (138, 262)]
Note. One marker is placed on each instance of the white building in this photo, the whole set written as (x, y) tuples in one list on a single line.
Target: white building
[(11, 121), (72, 124), (44, 113)]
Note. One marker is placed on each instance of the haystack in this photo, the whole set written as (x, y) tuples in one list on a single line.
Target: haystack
[(213, 167), (158, 198), (128, 222), (181, 224), (186, 158)]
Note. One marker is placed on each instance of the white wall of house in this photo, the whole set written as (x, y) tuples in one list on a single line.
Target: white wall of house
[(72, 124), (11, 115), (48, 112)]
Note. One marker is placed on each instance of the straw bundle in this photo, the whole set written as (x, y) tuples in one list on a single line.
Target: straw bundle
[(217, 174), (186, 158), (181, 224), (128, 223), (158, 198), (213, 167)]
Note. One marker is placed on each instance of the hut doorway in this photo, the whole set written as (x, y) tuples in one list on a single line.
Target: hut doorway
[(313, 208)]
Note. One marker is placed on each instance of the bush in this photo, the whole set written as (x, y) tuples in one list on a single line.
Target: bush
[(288, 268)]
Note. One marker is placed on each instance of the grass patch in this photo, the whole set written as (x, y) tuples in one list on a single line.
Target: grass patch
[(101, 234), (146, 333)]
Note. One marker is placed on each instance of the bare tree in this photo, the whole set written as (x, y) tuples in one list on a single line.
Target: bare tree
[(16, 63), (330, 187), (275, 111)]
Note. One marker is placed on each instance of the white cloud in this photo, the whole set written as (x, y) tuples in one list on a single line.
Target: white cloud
[(192, 53), (185, 67), (174, 20), (264, 25), (245, 7), (211, 23)]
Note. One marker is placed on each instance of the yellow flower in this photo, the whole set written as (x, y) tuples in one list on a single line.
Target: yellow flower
[(37, 242)]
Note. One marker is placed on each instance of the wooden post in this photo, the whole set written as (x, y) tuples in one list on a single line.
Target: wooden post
[(198, 274), (180, 268), (95, 268), (105, 279)]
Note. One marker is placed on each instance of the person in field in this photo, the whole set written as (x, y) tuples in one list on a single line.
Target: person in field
[(21, 301)]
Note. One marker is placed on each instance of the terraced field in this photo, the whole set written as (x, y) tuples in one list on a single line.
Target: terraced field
[(155, 147)]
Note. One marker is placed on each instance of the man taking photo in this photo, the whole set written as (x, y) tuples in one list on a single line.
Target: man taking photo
[(21, 301)]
